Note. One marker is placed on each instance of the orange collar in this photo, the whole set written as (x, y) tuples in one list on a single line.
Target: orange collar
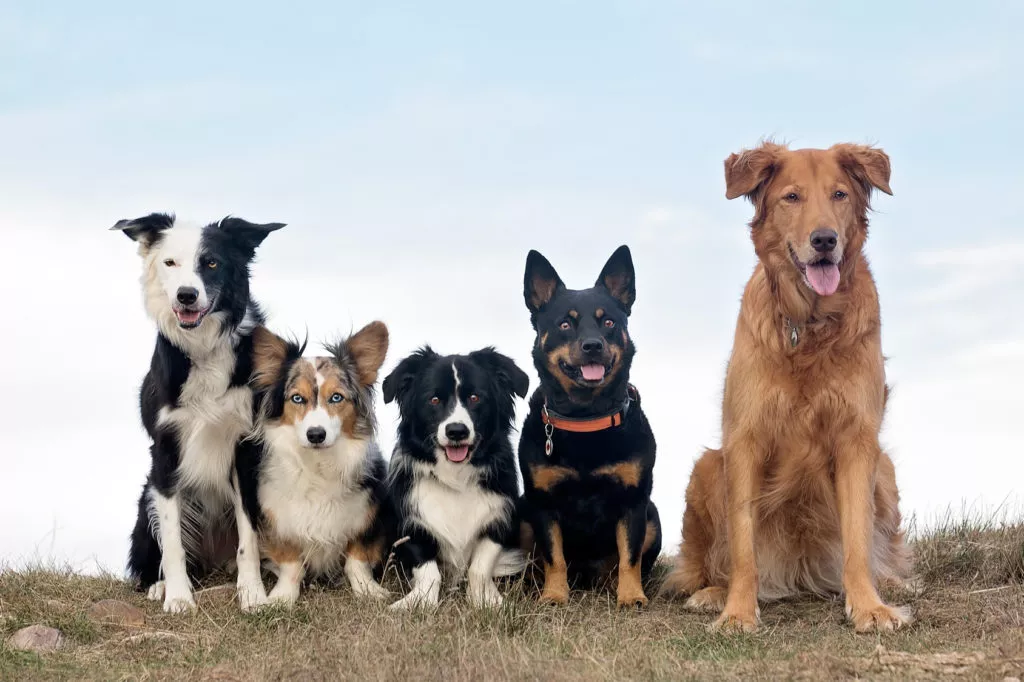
[(601, 423)]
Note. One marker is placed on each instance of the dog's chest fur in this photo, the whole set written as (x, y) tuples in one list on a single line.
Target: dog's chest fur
[(315, 498), (210, 418), (448, 500)]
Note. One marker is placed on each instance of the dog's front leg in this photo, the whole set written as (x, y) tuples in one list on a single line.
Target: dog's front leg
[(482, 590), (743, 463), (556, 571), (177, 587), (856, 465), (251, 592), (631, 540), (418, 554)]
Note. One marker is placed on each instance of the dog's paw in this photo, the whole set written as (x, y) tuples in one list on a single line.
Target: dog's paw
[(179, 604), (370, 590), (484, 594), (156, 591), (737, 621), (631, 599), (283, 594), (878, 617), (554, 596), (250, 599), (707, 600), (413, 601)]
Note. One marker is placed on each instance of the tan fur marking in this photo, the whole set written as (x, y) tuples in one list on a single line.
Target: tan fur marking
[(372, 552), (574, 315), (281, 551), (630, 589), (556, 573), (301, 382), (599, 313), (627, 473), (547, 477), (368, 347)]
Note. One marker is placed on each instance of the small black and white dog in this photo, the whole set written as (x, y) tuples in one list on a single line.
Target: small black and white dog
[(452, 477), (196, 405)]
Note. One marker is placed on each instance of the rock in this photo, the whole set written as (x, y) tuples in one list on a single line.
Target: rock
[(115, 612), (37, 638)]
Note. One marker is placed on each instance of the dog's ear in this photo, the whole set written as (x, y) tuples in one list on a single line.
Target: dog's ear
[(147, 229), (540, 283), (398, 382), (270, 356), (365, 349), (249, 235), (504, 369), (748, 171), (619, 278), (867, 165)]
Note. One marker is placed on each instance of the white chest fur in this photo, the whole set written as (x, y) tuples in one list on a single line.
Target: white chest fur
[(210, 419), (313, 496), (448, 501)]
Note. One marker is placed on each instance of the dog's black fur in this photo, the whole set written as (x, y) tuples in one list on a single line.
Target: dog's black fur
[(577, 497), (430, 390), (196, 364)]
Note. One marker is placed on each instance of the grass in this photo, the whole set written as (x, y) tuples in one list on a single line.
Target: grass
[(970, 622)]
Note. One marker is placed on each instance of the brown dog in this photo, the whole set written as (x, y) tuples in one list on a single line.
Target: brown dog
[(801, 497)]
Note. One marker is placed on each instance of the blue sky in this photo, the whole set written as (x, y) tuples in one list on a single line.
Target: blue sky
[(417, 152)]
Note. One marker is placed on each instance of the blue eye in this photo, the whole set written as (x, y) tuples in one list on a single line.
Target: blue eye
[(336, 398), (298, 399)]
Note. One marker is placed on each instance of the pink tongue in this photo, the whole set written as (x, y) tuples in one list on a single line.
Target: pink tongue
[(824, 278), (456, 453), (188, 316), (592, 372)]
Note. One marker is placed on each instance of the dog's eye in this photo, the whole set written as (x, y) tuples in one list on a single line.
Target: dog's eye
[(170, 263), (565, 326), (435, 400), (792, 196), (474, 398), (212, 264), (609, 323), (336, 398), (298, 399), (839, 195)]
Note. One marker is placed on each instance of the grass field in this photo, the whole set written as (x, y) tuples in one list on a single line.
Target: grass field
[(970, 624)]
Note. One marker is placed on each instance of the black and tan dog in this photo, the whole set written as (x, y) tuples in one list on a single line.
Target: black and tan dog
[(586, 451)]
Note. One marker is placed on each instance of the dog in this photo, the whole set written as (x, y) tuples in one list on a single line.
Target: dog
[(319, 479), (196, 405), (800, 497), (452, 477), (586, 451)]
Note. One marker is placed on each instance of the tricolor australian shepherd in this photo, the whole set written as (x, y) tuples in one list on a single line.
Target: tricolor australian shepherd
[(319, 482), (586, 451), (196, 404), (452, 477)]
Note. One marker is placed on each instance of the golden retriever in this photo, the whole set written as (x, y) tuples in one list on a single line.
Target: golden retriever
[(801, 497)]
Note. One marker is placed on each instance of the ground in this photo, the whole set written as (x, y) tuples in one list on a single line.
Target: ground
[(970, 624)]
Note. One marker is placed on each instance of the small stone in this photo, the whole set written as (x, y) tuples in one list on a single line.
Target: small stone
[(37, 638), (115, 612)]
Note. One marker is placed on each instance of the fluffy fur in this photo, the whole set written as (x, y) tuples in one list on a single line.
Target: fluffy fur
[(800, 497), (452, 476), (196, 404), (587, 501), (318, 482)]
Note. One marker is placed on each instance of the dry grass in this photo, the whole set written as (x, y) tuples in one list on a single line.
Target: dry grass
[(970, 623)]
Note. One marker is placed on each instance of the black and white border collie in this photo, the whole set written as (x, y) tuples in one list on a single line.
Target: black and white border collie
[(320, 478), (196, 405), (452, 477)]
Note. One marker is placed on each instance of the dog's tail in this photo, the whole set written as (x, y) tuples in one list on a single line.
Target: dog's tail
[(510, 562)]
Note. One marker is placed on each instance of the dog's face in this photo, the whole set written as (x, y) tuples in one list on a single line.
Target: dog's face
[(319, 400), (192, 271), (810, 205), (455, 406), (583, 344)]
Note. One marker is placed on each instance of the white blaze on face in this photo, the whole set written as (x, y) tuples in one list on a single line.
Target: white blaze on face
[(175, 261), (459, 415), (319, 417)]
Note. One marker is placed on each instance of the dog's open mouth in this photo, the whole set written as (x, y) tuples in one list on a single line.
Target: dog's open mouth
[(457, 453), (190, 318), (590, 374), (822, 276)]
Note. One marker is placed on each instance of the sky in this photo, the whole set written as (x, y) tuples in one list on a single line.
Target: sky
[(419, 152)]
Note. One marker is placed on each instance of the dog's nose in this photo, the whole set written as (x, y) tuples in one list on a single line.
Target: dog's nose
[(824, 240), (316, 434), (456, 431), (592, 346), (187, 295)]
